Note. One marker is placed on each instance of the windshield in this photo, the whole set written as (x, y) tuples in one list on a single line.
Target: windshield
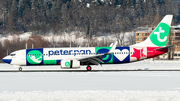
[(12, 54)]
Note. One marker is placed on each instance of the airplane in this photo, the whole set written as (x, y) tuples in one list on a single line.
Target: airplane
[(73, 58)]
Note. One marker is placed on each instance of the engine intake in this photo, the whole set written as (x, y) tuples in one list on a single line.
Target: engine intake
[(65, 64)]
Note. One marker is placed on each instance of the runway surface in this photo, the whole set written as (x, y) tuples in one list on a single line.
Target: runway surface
[(82, 70), (80, 81), (141, 81), (90, 86), (146, 65)]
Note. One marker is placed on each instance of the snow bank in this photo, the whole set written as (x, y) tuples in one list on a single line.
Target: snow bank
[(91, 96)]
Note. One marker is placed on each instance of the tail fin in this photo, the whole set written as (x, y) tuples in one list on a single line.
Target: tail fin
[(159, 37)]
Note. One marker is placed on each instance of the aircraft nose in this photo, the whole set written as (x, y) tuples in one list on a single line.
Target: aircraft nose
[(6, 60)]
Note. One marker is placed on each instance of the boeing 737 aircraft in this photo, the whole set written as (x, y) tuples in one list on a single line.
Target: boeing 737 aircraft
[(153, 46)]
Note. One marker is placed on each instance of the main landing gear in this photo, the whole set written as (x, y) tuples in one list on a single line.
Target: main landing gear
[(88, 68), (20, 69)]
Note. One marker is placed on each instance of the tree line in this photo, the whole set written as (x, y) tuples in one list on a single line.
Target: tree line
[(94, 17)]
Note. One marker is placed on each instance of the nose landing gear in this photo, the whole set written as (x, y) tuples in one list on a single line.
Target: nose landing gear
[(20, 69)]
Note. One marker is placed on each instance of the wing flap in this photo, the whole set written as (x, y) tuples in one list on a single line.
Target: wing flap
[(97, 59), (94, 62)]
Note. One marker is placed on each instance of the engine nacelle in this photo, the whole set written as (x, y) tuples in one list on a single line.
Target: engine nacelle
[(65, 64)]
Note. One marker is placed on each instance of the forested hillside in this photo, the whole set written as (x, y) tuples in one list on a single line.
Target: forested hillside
[(91, 16)]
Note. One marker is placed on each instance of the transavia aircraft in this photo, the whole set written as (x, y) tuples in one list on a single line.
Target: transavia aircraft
[(153, 46)]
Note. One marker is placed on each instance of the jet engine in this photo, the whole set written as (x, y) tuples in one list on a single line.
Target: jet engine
[(65, 64)]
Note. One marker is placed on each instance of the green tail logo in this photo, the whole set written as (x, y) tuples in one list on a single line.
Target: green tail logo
[(160, 35)]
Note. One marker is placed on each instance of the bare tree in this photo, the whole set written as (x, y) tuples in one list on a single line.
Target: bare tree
[(131, 38), (120, 38)]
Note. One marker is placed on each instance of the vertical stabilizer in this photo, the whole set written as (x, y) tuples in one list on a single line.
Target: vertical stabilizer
[(159, 36)]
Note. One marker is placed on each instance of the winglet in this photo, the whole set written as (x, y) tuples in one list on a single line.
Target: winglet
[(111, 45), (113, 48)]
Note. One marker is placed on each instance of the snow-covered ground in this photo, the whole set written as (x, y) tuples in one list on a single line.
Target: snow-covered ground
[(90, 86), (75, 36), (23, 36)]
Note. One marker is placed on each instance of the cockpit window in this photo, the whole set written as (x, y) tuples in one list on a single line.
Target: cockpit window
[(12, 54)]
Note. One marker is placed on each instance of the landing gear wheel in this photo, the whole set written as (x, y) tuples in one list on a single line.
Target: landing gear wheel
[(88, 68), (20, 69)]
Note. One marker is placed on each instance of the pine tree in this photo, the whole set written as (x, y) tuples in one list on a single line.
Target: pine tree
[(13, 17)]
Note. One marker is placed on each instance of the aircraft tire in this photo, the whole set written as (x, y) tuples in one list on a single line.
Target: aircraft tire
[(88, 68), (20, 69)]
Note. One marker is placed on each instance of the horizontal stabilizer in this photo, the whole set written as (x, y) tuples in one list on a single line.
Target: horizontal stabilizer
[(164, 47)]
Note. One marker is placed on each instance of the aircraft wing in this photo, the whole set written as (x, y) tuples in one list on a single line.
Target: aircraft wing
[(97, 59)]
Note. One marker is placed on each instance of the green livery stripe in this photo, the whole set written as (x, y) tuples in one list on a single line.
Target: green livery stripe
[(50, 62)]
